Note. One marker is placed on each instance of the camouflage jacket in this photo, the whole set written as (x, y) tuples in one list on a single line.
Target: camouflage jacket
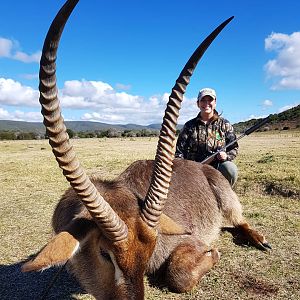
[(198, 140)]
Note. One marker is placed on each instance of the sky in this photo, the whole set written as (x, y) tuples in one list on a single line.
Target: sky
[(118, 60)]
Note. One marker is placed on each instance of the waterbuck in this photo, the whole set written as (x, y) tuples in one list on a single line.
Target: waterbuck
[(158, 218)]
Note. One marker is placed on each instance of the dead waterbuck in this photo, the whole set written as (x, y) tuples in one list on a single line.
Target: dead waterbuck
[(112, 233)]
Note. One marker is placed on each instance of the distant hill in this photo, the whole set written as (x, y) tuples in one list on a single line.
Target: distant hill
[(76, 126), (288, 119)]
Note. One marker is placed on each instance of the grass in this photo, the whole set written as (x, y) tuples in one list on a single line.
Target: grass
[(269, 162), (269, 183)]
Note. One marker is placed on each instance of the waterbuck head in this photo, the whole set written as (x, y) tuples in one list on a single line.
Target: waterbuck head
[(128, 237)]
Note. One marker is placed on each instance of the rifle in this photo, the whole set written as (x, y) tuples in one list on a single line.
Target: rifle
[(211, 157)]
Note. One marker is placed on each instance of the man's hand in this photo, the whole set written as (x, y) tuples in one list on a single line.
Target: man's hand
[(222, 156)]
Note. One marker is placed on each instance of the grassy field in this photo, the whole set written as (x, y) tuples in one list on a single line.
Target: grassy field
[(269, 188)]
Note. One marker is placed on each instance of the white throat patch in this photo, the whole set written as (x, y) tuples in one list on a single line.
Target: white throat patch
[(119, 276)]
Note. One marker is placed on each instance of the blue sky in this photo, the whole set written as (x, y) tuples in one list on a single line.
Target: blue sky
[(118, 60)]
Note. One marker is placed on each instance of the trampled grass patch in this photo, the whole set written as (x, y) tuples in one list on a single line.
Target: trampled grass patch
[(31, 184)]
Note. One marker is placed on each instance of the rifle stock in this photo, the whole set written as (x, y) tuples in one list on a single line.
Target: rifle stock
[(211, 157)]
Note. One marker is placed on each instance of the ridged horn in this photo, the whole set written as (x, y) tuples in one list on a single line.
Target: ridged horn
[(159, 186), (105, 217)]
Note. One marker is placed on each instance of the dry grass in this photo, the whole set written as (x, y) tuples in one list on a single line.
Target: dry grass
[(270, 162), (31, 184)]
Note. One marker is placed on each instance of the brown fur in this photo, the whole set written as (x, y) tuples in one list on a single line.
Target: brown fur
[(177, 256), (187, 264)]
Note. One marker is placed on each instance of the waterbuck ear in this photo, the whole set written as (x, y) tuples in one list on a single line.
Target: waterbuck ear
[(60, 249), (170, 227)]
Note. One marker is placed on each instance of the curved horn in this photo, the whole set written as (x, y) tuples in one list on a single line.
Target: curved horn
[(108, 221), (159, 187)]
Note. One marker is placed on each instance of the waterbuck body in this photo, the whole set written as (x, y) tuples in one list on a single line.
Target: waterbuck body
[(200, 200), (157, 218)]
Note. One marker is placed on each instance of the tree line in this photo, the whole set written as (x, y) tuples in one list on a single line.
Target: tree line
[(14, 135), (109, 133)]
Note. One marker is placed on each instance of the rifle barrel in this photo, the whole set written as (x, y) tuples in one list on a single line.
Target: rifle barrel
[(210, 158), (258, 125)]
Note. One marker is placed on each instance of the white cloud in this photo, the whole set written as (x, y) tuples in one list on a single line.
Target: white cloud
[(165, 97), (284, 69), (96, 95), (266, 104), (4, 114), (27, 116), (9, 49), (104, 118), (288, 83), (93, 101), (188, 110), (5, 47), (286, 107), (26, 58), (76, 88), (19, 115), (107, 105), (124, 87), (13, 93), (254, 117), (30, 76)]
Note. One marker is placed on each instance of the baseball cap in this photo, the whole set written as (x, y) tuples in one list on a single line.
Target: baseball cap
[(207, 92)]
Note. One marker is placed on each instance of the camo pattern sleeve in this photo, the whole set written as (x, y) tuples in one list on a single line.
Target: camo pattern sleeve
[(230, 136), (186, 134), (181, 143)]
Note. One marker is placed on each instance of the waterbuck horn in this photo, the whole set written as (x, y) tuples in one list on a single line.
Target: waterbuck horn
[(108, 221), (159, 187)]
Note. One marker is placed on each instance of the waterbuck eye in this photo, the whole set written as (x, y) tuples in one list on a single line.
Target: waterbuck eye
[(105, 255)]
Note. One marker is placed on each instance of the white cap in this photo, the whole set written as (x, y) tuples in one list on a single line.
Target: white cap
[(207, 92)]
